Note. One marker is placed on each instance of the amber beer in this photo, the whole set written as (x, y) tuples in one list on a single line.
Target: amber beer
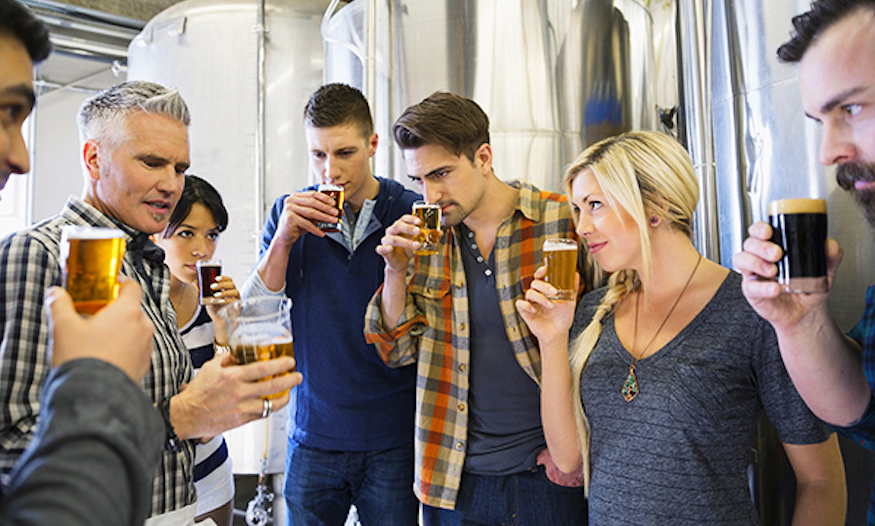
[(336, 193), (262, 346), (430, 228), (91, 260), (560, 258), (799, 227), (207, 272)]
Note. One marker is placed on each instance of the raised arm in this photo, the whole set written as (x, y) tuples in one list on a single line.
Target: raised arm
[(825, 365), (550, 321)]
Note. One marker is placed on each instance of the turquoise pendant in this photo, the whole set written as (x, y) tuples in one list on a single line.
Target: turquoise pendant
[(630, 386)]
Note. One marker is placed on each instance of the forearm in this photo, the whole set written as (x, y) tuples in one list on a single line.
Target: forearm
[(557, 406), (273, 266), (393, 297), (820, 504), (826, 368), (821, 491), (93, 456)]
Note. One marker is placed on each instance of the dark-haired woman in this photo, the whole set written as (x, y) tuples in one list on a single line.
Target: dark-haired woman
[(191, 235)]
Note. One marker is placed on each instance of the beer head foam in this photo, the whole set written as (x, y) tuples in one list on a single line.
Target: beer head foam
[(559, 244), (799, 205)]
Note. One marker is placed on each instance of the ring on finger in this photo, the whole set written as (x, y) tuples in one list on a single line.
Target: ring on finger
[(268, 408)]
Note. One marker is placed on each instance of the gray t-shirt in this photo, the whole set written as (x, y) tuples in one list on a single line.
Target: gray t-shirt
[(678, 453)]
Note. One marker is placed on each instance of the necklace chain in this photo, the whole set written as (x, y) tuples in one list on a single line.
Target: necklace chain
[(630, 386)]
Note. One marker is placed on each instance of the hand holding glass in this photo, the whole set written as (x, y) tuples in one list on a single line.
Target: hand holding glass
[(560, 258)]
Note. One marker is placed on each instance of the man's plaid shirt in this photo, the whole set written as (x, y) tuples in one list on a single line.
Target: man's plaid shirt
[(29, 265), (433, 331)]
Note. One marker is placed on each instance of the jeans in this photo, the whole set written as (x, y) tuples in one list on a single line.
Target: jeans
[(520, 499), (321, 485)]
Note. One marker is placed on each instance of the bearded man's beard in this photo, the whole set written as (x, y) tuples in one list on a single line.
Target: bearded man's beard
[(849, 173)]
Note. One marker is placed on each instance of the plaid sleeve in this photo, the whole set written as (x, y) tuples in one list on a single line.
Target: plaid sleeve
[(396, 347), (29, 268)]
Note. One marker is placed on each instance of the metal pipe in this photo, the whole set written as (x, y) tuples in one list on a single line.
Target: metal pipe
[(371, 55), (83, 12), (694, 46), (81, 47), (260, 126)]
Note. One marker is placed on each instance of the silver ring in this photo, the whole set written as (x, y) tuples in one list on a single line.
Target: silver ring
[(268, 407)]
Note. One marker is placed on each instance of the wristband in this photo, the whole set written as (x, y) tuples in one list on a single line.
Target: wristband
[(172, 441)]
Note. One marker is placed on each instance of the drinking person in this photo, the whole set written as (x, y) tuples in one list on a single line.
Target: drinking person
[(481, 453), (352, 438), (191, 235), (660, 392)]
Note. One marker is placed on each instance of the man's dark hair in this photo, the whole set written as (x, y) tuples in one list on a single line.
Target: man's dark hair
[(457, 124), (20, 23), (808, 26), (336, 105)]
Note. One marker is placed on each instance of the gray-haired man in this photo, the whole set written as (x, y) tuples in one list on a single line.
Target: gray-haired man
[(135, 152)]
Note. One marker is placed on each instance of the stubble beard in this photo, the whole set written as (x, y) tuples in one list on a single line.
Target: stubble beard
[(849, 173)]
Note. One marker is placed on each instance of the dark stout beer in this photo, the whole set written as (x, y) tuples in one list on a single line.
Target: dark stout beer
[(799, 227), (207, 272)]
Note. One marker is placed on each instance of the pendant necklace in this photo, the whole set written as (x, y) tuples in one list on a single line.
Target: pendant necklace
[(630, 386)]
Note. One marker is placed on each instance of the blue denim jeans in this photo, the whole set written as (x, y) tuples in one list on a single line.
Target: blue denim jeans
[(520, 499), (320, 486)]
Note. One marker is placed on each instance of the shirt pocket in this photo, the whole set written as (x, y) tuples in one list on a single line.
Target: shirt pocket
[(432, 298)]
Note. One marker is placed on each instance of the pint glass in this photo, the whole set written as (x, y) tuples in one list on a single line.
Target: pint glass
[(336, 193), (430, 228), (259, 329), (560, 258), (799, 227), (91, 259)]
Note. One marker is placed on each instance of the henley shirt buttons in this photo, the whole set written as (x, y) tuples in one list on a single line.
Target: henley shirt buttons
[(488, 272)]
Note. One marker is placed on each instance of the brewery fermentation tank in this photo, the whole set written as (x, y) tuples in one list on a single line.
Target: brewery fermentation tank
[(553, 75)]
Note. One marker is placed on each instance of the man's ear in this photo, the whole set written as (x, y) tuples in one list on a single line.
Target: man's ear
[(483, 158), (372, 145), (91, 158)]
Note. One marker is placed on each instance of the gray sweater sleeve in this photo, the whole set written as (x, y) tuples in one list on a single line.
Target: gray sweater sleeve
[(92, 460)]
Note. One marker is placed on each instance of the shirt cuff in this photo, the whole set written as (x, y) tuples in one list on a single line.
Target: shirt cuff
[(255, 287)]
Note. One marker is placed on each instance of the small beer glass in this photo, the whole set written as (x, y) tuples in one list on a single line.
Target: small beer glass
[(430, 228), (91, 259), (207, 272), (335, 192), (799, 227), (560, 258)]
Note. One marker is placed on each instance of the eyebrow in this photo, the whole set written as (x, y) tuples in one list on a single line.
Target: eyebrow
[(839, 99), (22, 90), (429, 174)]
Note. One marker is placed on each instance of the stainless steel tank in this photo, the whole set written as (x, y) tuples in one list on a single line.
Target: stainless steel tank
[(553, 75)]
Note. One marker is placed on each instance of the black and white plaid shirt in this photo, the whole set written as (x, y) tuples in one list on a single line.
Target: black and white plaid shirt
[(29, 265)]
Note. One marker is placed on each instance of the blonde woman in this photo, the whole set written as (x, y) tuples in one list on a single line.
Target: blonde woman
[(670, 363)]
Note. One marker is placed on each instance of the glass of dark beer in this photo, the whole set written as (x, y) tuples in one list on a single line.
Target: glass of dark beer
[(335, 192), (799, 228), (91, 259), (207, 272), (259, 329), (560, 258), (430, 228)]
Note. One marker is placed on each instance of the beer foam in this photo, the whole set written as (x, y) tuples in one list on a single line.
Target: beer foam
[(799, 205), (91, 232), (259, 334), (553, 245)]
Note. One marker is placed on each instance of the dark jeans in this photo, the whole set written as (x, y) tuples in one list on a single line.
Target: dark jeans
[(321, 485), (521, 499)]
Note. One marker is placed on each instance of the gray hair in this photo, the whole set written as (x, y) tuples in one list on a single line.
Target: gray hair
[(100, 115)]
